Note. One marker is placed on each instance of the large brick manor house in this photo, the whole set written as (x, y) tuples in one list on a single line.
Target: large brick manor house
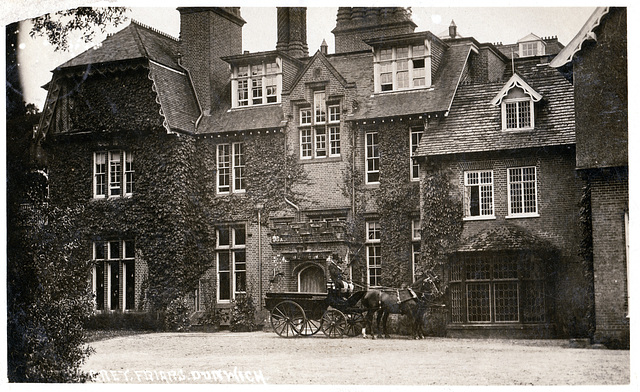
[(199, 164)]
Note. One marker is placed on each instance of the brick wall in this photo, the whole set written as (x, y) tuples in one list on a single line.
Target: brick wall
[(600, 80), (206, 35), (558, 195), (609, 203)]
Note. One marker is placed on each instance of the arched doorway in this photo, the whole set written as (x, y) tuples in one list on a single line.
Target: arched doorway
[(311, 279)]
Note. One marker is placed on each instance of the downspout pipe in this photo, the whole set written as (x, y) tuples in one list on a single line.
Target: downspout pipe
[(194, 93)]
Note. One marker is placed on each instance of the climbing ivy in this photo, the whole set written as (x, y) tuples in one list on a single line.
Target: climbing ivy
[(397, 200), (586, 254), (441, 218)]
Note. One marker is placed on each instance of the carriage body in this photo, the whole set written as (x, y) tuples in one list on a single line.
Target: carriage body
[(304, 314)]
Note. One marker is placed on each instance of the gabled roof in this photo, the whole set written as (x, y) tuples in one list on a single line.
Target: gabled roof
[(530, 37), (586, 33), (474, 125), (505, 237), (437, 99), (516, 81), (319, 56), (133, 42)]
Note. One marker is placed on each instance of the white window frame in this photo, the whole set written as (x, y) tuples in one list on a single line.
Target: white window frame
[(319, 132), (233, 271), (510, 213), (259, 75), (107, 260), (414, 167), (416, 237), (371, 157), (334, 141), (372, 240), (518, 102), (467, 195), (531, 49), (396, 64), (115, 175), (232, 168)]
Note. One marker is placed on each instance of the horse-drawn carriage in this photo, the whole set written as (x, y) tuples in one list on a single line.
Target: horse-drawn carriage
[(337, 313), (305, 314)]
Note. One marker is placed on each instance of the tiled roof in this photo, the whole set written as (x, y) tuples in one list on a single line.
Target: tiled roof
[(502, 238), (435, 99), (176, 97), (228, 120), (473, 125), (158, 51), (133, 42)]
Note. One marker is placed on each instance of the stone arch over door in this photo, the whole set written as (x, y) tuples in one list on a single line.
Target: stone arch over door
[(311, 279)]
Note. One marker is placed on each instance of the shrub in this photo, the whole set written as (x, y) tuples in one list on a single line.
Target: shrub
[(49, 300), (177, 315), (146, 321), (243, 314)]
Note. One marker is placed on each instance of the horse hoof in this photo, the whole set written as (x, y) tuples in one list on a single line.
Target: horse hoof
[(373, 338)]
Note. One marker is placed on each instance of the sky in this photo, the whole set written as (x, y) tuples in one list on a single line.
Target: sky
[(486, 24)]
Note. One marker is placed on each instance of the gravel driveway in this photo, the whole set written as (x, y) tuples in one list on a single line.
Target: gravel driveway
[(263, 357)]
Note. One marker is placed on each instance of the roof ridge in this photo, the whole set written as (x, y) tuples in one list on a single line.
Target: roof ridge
[(153, 29)]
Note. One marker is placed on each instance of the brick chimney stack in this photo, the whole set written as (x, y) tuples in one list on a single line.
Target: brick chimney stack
[(292, 31), (356, 24), (206, 35)]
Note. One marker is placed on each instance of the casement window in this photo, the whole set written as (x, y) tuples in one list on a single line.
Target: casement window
[(516, 101), (320, 129), (528, 49), (415, 246), (517, 113), (401, 68), (374, 259), (497, 288), (231, 168), (256, 84), (414, 140), (372, 158), (113, 174), (114, 275), (478, 194), (522, 187), (231, 261)]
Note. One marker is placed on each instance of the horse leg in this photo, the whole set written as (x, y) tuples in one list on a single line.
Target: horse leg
[(381, 314), (384, 324), (368, 320)]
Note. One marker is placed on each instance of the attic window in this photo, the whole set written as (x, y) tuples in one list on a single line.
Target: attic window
[(516, 100), (531, 45), (255, 84), (402, 67)]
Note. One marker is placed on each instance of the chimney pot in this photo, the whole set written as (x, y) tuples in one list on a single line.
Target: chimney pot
[(453, 33)]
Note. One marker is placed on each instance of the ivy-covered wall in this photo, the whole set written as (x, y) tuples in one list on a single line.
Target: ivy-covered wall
[(107, 98), (165, 216)]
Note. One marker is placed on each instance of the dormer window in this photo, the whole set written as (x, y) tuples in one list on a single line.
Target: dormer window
[(256, 84), (402, 67), (516, 100), (531, 45)]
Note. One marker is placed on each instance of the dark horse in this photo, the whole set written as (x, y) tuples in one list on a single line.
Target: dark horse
[(412, 301)]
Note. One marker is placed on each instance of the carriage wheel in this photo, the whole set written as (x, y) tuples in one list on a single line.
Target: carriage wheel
[(334, 323), (287, 319), (355, 322), (310, 327)]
